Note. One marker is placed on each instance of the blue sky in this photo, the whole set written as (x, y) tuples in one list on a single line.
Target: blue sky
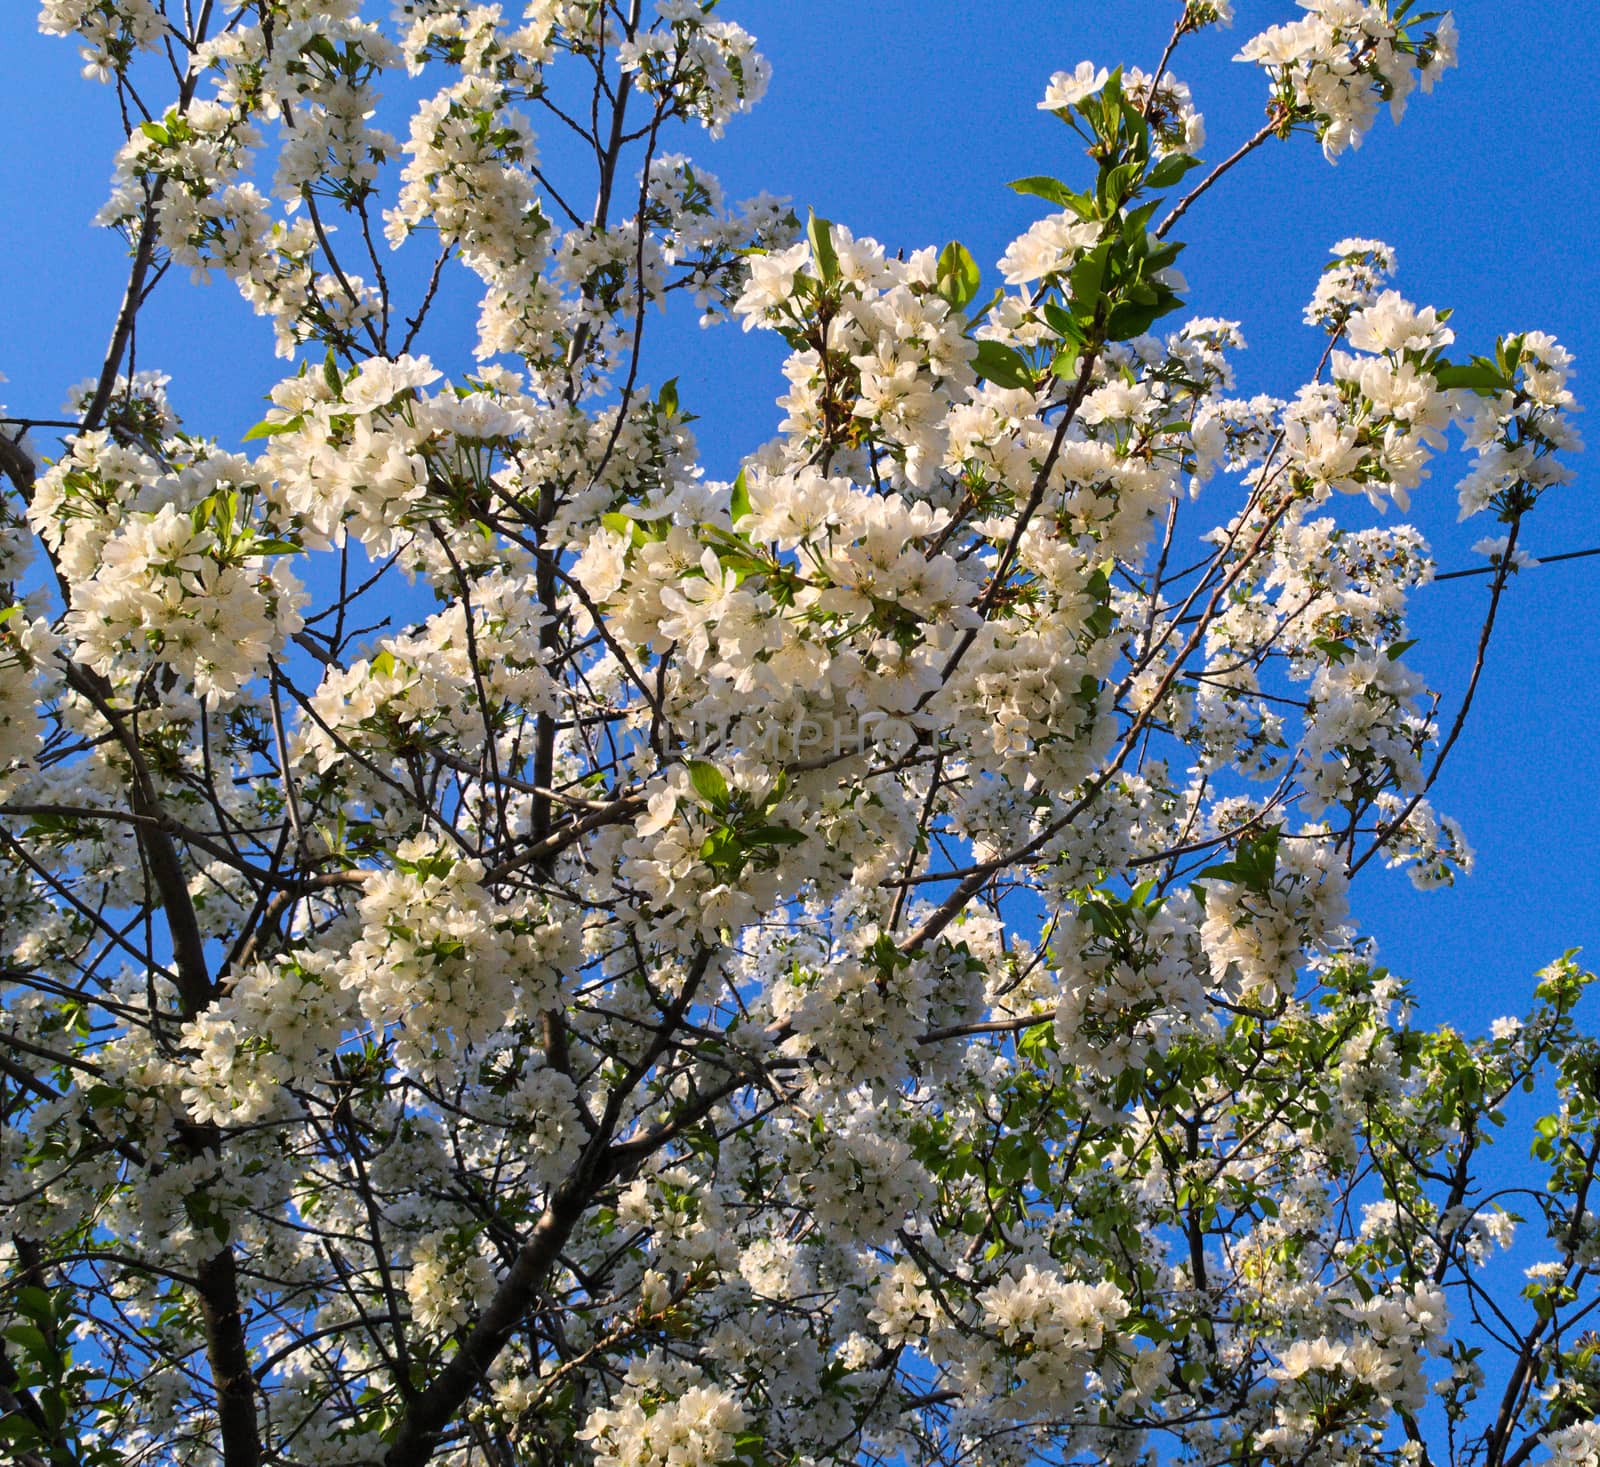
[(904, 120)]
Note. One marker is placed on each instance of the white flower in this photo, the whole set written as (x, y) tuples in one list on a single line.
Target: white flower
[(1070, 87), (1495, 548), (1392, 324), (1047, 248), (1574, 1446)]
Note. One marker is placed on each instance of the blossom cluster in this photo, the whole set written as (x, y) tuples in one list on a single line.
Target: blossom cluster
[(514, 946)]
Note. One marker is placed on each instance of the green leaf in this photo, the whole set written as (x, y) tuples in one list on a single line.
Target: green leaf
[(35, 1303), (1399, 650), (154, 131), (1136, 223), (1253, 865), (1477, 376), (620, 524), (32, 1341), (1117, 185), (18, 1430), (1087, 276), (323, 47), (819, 234), (275, 547), (1111, 93), (330, 374), (1062, 322), (1170, 169), (1064, 363), (667, 398), (1137, 131), (1042, 186), (1161, 253), (739, 506), (958, 276), (269, 430), (1131, 319), (708, 783), (1002, 365)]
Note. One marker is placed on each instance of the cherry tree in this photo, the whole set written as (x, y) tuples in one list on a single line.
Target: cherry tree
[(516, 952)]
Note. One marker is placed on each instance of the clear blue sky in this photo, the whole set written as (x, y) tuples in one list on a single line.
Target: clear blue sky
[(904, 120)]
